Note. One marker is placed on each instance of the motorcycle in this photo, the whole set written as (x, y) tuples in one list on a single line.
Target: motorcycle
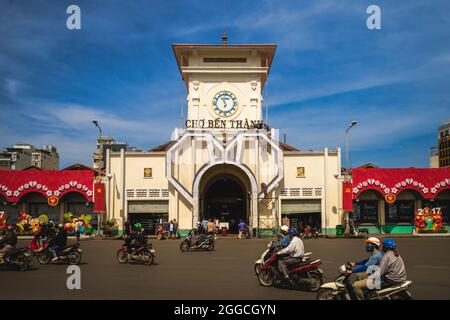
[(305, 274), (309, 233), (206, 243), (165, 235), (145, 254), (342, 289), (356, 232), (268, 253), (71, 254), (18, 258)]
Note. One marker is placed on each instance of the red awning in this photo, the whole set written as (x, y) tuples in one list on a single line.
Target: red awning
[(428, 182), (14, 184)]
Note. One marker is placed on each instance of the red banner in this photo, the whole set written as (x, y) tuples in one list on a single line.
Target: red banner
[(99, 198), (347, 197)]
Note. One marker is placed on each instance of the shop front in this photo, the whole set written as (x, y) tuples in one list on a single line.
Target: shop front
[(387, 200)]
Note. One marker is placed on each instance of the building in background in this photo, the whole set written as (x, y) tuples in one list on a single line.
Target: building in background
[(107, 143), (434, 157), (22, 156), (444, 144)]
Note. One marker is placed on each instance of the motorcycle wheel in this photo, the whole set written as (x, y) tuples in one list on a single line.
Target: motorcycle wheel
[(326, 294), (23, 263), (316, 281), (184, 246), (211, 246), (150, 260), (44, 258), (403, 295), (266, 278), (257, 269), (122, 256), (76, 259)]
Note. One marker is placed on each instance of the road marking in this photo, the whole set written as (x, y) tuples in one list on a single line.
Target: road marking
[(432, 267)]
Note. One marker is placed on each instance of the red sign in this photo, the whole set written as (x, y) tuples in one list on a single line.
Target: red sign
[(53, 201), (99, 198), (347, 197), (390, 198)]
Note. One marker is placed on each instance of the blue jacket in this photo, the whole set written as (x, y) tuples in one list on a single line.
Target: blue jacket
[(373, 260), (283, 243)]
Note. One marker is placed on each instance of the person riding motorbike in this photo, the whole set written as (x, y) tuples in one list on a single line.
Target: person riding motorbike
[(8, 242), (285, 239), (197, 234), (293, 254), (392, 267), (373, 247), (136, 239), (58, 242)]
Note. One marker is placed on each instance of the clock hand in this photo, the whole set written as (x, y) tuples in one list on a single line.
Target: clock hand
[(224, 99)]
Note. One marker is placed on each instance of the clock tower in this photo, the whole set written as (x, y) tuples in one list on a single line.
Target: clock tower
[(224, 83)]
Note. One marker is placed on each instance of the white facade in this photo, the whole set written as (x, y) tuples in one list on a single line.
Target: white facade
[(225, 162)]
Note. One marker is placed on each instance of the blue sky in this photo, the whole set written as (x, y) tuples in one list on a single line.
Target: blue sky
[(328, 70)]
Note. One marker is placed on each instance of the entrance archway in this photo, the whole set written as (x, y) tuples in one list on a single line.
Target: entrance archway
[(226, 198)]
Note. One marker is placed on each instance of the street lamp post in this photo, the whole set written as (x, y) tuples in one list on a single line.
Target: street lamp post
[(347, 169), (95, 122)]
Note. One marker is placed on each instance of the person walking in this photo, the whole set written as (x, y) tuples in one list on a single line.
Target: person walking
[(242, 226), (217, 228), (170, 229), (78, 229), (175, 227)]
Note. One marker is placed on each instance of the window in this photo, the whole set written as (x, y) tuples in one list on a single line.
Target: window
[(148, 173), (300, 172), (402, 211), (365, 211)]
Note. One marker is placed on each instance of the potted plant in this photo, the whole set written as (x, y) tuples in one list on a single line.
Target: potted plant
[(107, 227)]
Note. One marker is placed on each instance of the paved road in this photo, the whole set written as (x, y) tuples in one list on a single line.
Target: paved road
[(226, 273)]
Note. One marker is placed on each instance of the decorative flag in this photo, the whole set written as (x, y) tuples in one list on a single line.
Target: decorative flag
[(99, 198), (347, 196)]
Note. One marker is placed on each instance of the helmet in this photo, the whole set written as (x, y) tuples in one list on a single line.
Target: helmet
[(138, 226), (374, 241), (390, 244), (292, 231), (284, 228)]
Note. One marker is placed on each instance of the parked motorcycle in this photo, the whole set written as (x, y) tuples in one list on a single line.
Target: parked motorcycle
[(342, 289), (144, 254), (71, 254), (206, 243), (309, 233), (268, 253), (305, 275), (356, 232), (17, 258)]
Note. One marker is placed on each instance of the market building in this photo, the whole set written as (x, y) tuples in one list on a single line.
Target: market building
[(225, 162)]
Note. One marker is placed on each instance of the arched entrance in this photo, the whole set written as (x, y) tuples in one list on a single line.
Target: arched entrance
[(225, 192), (225, 198)]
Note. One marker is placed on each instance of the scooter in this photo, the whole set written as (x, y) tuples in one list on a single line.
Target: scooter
[(71, 254), (358, 232), (268, 253), (304, 275), (144, 254), (17, 258), (342, 289), (206, 243), (35, 247), (309, 233)]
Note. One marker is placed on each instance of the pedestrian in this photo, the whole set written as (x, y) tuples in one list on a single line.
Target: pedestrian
[(127, 228), (78, 229), (204, 223), (217, 228), (175, 227), (170, 229), (242, 226), (210, 227)]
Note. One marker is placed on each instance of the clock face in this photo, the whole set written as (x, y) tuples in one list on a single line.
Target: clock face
[(225, 103)]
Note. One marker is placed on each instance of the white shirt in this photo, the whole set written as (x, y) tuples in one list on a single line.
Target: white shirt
[(295, 248)]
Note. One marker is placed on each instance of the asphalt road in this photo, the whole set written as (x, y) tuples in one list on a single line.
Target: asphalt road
[(226, 273)]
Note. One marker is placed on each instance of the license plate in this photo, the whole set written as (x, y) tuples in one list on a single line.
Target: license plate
[(152, 251)]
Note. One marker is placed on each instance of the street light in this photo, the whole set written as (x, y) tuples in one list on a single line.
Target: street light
[(347, 170), (95, 122)]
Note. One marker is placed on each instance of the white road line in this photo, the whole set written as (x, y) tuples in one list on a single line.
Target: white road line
[(432, 267)]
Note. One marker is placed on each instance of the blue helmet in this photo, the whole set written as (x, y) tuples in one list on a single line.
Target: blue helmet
[(292, 231), (390, 244)]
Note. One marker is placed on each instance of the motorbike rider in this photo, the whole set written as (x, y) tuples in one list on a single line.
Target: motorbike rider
[(285, 239), (392, 267), (58, 242), (197, 235), (293, 254), (137, 238), (372, 247), (8, 242)]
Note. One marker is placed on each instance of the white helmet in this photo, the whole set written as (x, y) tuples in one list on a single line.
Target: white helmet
[(374, 241), (284, 228)]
